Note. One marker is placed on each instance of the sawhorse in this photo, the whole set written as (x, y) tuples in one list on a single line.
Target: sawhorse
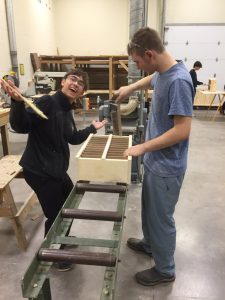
[(10, 170), (36, 284)]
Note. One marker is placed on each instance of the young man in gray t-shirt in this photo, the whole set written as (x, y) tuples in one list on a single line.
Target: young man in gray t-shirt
[(165, 150)]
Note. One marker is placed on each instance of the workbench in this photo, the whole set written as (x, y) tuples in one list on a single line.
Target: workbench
[(219, 94), (4, 120), (205, 97)]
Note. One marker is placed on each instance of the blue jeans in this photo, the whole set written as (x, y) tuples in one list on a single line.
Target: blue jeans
[(159, 198)]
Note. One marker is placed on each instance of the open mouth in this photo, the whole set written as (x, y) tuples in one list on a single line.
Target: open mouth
[(73, 90)]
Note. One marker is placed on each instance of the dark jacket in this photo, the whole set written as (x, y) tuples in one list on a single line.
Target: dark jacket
[(194, 78), (47, 150)]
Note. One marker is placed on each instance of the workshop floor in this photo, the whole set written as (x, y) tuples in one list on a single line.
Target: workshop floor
[(200, 252)]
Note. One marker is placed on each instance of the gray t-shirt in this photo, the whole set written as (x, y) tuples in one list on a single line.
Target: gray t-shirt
[(173, 96)]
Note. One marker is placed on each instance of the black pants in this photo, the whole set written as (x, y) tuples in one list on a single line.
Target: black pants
[(52, 194)]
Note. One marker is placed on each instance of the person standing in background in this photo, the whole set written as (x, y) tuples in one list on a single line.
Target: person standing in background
[(197, 66)]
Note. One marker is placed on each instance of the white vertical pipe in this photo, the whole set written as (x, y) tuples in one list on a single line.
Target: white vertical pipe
[(11, 35)]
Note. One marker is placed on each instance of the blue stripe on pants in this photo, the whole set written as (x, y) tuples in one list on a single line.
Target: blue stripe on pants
[(159, 198)]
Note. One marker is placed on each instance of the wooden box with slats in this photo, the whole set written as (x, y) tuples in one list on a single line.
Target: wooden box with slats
[(101, 159)]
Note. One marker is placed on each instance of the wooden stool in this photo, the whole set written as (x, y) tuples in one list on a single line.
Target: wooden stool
[(9, 170)]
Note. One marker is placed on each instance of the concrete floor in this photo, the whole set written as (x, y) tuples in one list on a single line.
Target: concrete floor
[(200, 253)]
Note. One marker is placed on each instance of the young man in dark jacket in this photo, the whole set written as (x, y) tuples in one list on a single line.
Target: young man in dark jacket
[(45, 160)]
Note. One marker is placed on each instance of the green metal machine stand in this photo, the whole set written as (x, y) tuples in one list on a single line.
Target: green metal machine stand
[(36, 283)]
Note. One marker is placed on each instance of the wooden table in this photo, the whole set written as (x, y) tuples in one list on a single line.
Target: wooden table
[(219, 94), (4, 120)]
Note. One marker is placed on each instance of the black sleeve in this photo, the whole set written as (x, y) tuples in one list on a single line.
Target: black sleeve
[(22, 118), (194, 77), (18, 117), (79, 136)]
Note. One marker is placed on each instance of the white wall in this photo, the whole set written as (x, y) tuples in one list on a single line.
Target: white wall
[(5, 62), (35, 32), (81, 27), (87, 27), (155, 14), (195, 11)]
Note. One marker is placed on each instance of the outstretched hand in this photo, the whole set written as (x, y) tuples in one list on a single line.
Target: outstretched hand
[(10, 88), (122, 93), (98, 124), (134, 150)]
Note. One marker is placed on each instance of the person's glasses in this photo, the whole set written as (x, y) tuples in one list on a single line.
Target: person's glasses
[(77, 80), (133, 45)]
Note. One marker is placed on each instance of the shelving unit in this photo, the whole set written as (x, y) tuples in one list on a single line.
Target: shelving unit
[(106, 72)]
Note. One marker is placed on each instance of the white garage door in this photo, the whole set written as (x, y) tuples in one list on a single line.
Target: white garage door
[(205, 43)]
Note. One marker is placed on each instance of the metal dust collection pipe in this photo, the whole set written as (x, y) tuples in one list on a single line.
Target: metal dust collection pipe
[(11, 35), (138, 19), (77, 257)]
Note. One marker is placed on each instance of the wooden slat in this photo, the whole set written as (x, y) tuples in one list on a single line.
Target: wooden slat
[(9, 168), (123, 64), (17, 226), (4, 120), (35, 61), (26, 207), (107, 146), (4, 116), (5, 212)]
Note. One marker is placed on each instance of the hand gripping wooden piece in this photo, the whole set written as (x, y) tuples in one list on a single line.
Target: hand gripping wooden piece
[(101, 159), (28, 102)]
